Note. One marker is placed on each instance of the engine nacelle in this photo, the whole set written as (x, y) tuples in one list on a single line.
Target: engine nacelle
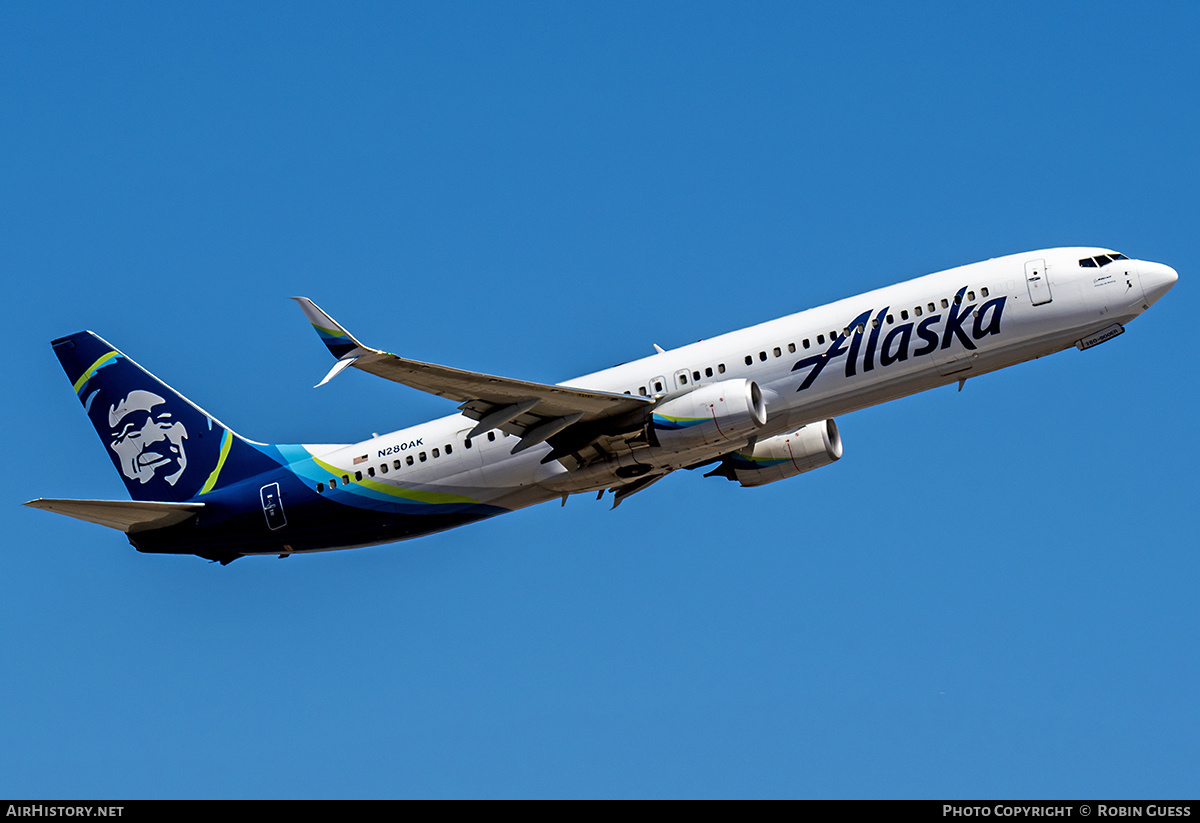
[(785, 455), (717, 414)]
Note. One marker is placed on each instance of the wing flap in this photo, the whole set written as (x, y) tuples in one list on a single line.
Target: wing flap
[(124, 515)]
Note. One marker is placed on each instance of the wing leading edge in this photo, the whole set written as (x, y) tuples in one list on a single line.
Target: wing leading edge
[(535, 412)]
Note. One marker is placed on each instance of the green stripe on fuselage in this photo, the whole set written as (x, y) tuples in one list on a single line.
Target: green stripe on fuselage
[(432, 498)]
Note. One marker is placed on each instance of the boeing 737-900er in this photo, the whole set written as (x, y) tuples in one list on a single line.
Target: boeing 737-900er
[(756, 404)]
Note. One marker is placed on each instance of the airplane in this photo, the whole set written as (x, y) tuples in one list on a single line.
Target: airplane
[(757, 405)]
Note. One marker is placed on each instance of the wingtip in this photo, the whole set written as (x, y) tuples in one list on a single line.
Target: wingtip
[(335, 337)]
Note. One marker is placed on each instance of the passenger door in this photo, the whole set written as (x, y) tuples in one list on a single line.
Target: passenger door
[(1038, 283)]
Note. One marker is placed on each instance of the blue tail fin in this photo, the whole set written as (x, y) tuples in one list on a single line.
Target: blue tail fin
[(165, 448)]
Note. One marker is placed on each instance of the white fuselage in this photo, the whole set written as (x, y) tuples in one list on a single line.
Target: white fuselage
[(877, 346)]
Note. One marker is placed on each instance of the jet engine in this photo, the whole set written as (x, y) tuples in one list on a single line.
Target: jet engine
[(717, 414), (783, 456)]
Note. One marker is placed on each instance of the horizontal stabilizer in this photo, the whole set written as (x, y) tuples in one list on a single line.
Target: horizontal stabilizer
[(125, 515)]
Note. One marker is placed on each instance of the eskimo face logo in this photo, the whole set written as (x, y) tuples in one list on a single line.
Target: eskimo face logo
[(147, 438)]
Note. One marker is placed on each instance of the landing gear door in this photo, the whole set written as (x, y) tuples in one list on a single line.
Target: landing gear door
[(1039, 284)]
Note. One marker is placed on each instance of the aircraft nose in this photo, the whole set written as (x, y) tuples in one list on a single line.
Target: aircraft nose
[(1157, 279)]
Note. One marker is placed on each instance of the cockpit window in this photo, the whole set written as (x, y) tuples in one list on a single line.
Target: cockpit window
[(1100, 260)]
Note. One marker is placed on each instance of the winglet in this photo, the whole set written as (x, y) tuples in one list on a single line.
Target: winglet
[(340, 342)]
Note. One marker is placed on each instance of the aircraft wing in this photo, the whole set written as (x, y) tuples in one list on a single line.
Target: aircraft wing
[(532, 411)]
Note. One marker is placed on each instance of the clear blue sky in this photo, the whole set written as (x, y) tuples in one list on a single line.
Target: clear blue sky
[(994, 594)]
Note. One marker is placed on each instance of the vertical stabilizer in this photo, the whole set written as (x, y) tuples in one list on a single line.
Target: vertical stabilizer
[(164, 447)]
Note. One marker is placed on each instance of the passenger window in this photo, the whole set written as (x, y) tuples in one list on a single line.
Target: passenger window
[(696, 376), (945, 303), (820, 339), (409, 460), (358, 475), (642, 391), (491, 438), (917, 311), (467, 442), (791, 348), (889, 319), (683, 379), (762, 355), (370, 471), (383, 468), (749, 360), (804, 342), (657, 386), (448, 448), (984, 291), (436, 453), (721, 368), (932, 308), (422, 457), (970, 295), (345, 480), (904, 314), (708, 372), (777, 352), (320, 487), (396, 464)]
